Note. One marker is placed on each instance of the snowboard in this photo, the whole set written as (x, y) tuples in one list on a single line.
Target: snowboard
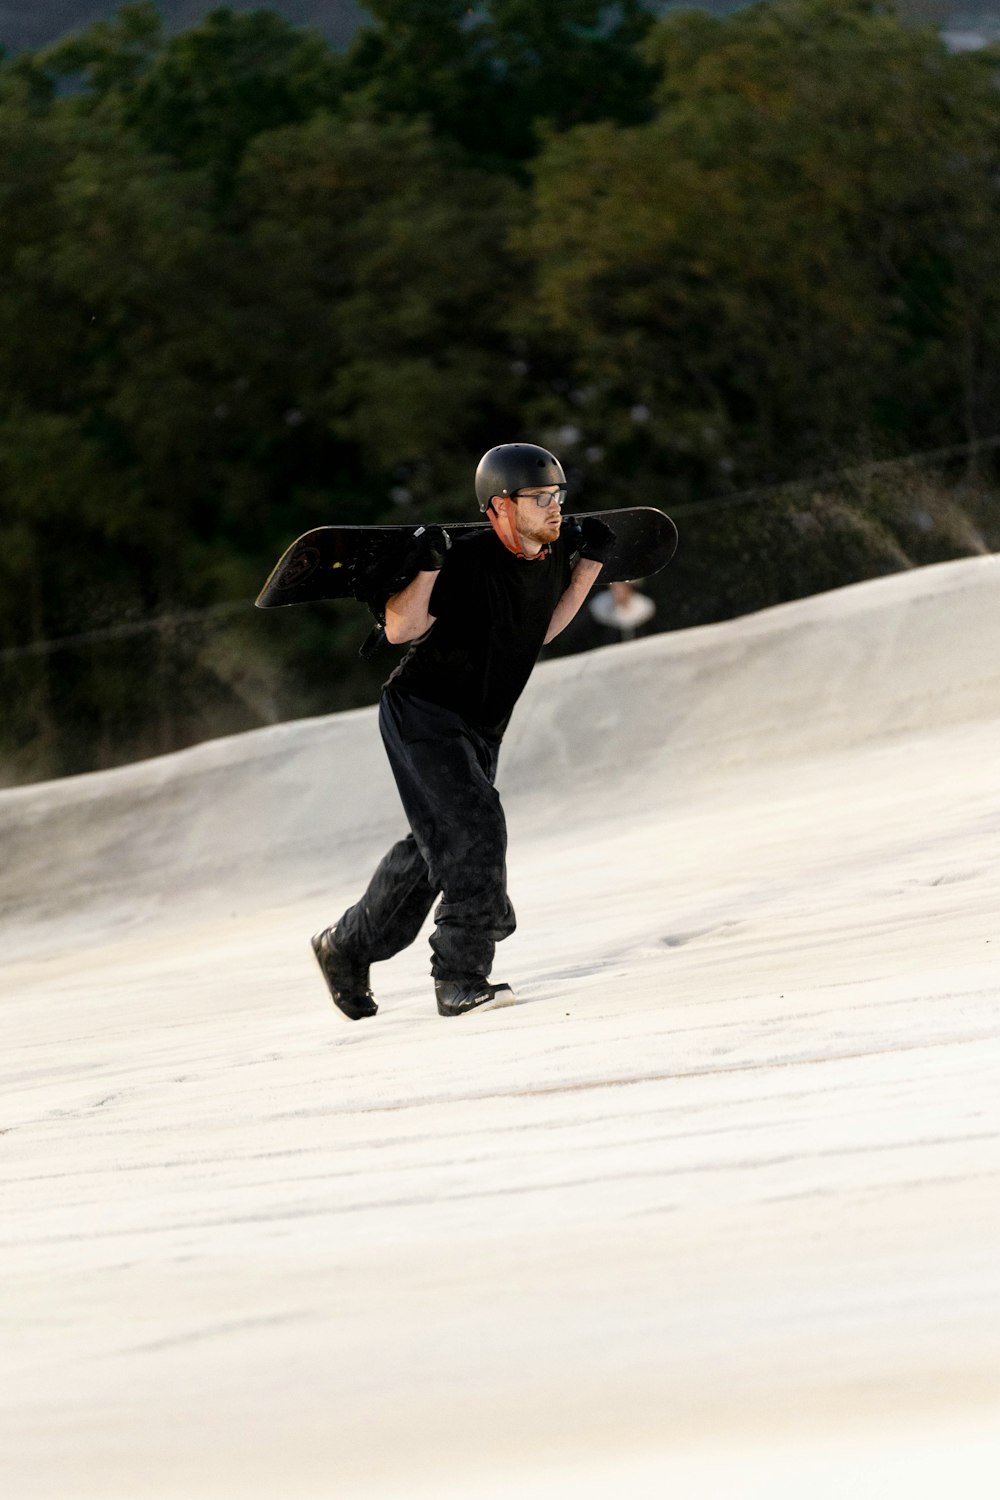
[(370, 563)]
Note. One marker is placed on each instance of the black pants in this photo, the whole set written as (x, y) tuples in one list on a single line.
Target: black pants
[(457, 846)]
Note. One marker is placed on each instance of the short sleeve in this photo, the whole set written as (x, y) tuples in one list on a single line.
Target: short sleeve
[(564, 561), (454, 585)]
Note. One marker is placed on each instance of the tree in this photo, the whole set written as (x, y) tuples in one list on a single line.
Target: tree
[(385, 259), (200, 97), (489, 76), (107, 57), (105, 347), (767, 275), (228, 80)]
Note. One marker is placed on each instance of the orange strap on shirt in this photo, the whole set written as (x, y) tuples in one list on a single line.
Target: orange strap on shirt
[(503, 524)]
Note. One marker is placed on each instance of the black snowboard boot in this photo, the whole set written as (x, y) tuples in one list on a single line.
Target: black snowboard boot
[(456, 996), (348, 984)]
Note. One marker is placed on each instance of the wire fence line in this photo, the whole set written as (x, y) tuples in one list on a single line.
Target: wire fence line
[(757, 496), (165, 623), (856, 471)]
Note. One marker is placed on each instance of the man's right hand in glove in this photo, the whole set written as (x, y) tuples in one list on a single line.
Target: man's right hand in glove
[(406, 614), (431, 545)]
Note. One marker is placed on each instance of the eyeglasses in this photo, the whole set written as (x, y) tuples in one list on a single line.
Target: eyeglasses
[(544, 498)]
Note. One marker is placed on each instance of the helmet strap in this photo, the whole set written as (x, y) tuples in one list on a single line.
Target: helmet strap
[(505, 525)]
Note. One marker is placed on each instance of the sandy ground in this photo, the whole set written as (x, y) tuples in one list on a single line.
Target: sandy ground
[(712, 1211)]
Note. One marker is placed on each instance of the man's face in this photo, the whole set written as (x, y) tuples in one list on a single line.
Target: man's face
[(538, 512)]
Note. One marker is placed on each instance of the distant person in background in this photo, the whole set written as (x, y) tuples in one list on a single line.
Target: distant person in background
[(476, 615), (622, 608)]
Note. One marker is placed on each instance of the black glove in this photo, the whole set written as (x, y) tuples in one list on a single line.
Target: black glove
[(590, 536), (431, 545)]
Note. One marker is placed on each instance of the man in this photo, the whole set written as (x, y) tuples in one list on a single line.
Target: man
[(476, 615)]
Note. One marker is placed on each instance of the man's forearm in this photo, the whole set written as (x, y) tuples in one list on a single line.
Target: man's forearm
[(406, 615), (583, 578)]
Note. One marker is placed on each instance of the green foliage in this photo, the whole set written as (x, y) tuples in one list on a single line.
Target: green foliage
[(387, 258), (217, 87), (490, 76), (788, 261), (202, 96), (109, 57), (248, 286)]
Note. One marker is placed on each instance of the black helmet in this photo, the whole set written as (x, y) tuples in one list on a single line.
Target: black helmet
[(515, 466)]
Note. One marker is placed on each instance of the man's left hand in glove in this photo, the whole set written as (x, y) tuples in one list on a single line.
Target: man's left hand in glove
[(591, 537)]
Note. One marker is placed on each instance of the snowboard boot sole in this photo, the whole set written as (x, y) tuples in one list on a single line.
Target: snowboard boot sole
[(356, 1004)]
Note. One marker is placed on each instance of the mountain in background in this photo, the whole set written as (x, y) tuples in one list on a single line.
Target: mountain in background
[(29, 24)]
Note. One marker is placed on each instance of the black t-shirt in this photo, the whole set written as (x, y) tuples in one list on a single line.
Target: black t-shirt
[(491, 611)]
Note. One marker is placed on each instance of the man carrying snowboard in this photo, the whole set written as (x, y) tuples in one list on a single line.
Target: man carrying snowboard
[(476, 614)]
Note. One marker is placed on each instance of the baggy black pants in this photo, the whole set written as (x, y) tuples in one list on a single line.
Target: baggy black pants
[(457, 846)]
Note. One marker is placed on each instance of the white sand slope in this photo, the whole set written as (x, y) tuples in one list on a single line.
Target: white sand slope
[(712, 1212)]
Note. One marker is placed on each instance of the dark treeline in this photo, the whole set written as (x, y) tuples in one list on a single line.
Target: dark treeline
[(251, 285)]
